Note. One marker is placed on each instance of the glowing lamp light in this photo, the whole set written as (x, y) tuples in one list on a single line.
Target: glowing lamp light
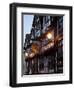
[(49, 35), (26, 54), (32, 54)]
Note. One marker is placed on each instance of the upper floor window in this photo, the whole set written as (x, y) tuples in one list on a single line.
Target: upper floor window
[(37, 33), (60, 22)]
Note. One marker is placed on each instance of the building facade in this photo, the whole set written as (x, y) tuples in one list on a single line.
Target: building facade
[(44, 45)]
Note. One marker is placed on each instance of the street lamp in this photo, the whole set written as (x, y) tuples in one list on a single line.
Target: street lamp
[(26, 54), (49, 35)]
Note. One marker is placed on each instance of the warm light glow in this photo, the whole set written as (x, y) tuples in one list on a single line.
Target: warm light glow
[(50, 45), (35, 48), (26, 54), (49, 35), (32, 54)]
